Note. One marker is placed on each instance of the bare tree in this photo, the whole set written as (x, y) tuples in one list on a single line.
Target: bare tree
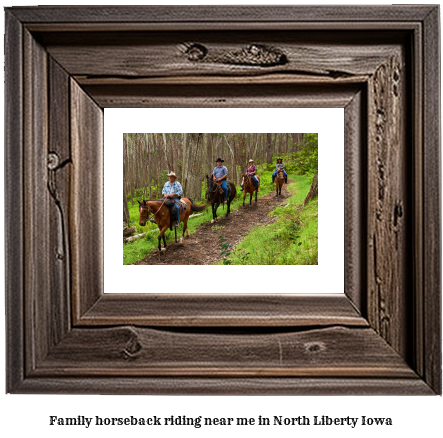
[(147, 156), (268, 148)]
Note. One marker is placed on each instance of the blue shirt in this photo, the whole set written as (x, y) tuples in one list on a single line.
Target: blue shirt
[(175, 188), (220, 171)]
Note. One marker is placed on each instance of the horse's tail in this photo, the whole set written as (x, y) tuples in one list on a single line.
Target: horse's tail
[(198, 207)]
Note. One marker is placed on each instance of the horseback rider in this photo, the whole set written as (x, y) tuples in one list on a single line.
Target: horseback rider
[(220, 174), (278, 166), (251, 171), (173, 190)]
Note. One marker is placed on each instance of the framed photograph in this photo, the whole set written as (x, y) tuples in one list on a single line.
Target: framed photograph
[(376, 330), (273, 237)]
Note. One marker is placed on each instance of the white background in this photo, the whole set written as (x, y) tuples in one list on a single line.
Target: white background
[(327, 277), (25, 415)]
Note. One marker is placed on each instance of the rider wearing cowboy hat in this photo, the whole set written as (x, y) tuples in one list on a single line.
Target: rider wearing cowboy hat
[(173, 190), (278, 166), (220, 174), (251, 171)]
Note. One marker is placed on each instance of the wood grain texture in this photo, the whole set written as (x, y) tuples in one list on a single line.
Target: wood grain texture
[(226, 96), (431, 320), (129, 351), (226, 386), (355, 195), (206, 310), (14, 281), (223, 14), (388, 204), (86, 200), (160, 54), (59, 181), (37, 258), (95, 343)]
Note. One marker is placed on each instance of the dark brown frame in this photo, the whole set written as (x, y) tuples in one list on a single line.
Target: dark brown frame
[(64, 65)]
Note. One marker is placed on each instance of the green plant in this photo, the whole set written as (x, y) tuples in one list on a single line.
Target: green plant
[(306, 159), (226, 250), (140, 248), (293, 232)]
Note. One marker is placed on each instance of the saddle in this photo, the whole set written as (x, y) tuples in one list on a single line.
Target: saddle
[(173, 213), (182, 205)]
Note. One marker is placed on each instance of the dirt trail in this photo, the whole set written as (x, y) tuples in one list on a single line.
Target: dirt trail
[(204, 247)]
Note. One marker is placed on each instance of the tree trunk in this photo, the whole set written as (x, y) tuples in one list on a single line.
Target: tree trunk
[(269, 148), (125, 201), (313, 191), (128, 231), (148, 165), (233, 170), (165, 148), (191, 180), (211, 155), (296, 140), (131, 238)]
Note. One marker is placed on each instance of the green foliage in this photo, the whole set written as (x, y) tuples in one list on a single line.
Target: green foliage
[(306, 159), (163, 175), (292, 233), (140, 248), (292, 239), (228, 251)]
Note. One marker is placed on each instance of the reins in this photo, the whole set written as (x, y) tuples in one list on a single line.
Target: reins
[(159, 207), (148, 210), (215, 190)]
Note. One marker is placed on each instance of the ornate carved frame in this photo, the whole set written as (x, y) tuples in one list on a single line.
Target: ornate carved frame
[(64, 65)]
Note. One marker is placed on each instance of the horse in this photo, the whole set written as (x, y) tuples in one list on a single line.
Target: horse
[(279, 181), (249, 187), (215, 196), (162, 216)]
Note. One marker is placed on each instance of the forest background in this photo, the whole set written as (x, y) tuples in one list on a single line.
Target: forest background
[(148, 157)]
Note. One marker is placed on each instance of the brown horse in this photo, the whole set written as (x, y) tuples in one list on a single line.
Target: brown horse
[(215, 196), (162, 216), (279, 181), (250, 188)]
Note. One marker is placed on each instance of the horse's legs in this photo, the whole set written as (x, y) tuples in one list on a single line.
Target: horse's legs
[(160, 236), (229, 208), (214, 212), (185, 228), (250, 198), (244, 196), (256, 194)]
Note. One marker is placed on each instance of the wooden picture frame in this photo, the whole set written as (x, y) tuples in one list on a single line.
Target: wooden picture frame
[(65, 64)]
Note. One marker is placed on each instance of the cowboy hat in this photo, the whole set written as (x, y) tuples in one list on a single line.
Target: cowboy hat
[(279, 159), (172, 174), (219, 159), (251, 161)]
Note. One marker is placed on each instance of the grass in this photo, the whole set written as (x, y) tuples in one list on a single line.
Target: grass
[(140, 248), (291, 240)]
